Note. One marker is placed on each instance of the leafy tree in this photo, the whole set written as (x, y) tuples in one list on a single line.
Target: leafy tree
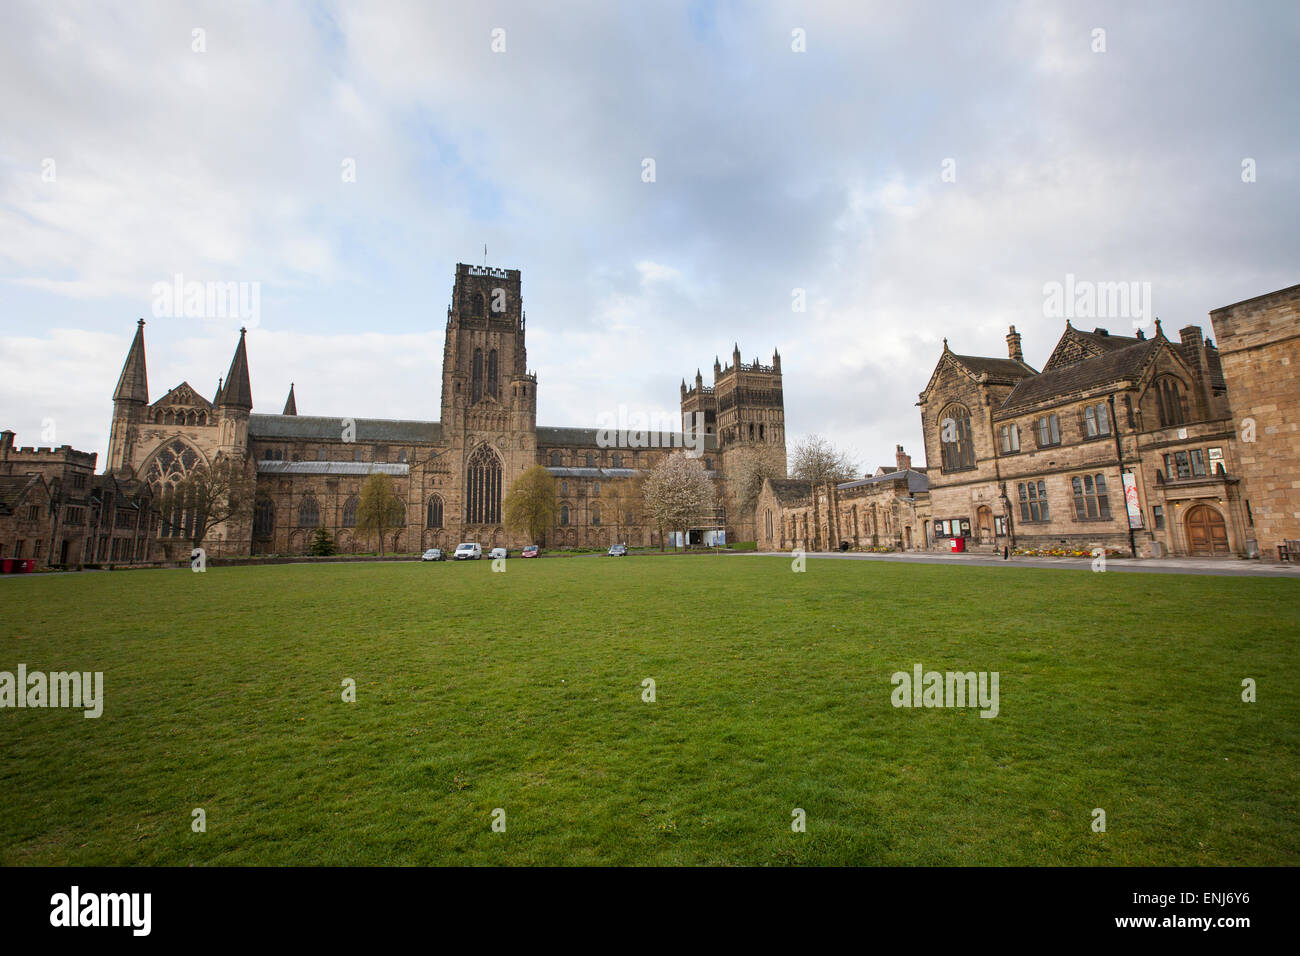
[(322, 543), (678, 493), (380, 510), (532, 504), (213, 494), (817, 460)]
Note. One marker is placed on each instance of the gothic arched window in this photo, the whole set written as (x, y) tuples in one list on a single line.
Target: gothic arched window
[(564, 515), (483, 487), (263, 518), (350, 511), (956, 448), (476, 379), (555, 459), (1171, 401), (434, 516), (492, 374), (476, 304), (308, 513), (170, 466)]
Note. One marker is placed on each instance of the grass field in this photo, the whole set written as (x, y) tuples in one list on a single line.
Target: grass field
[(523, 691)]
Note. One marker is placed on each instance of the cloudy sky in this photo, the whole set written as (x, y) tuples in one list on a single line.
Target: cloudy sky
[(921, 170)]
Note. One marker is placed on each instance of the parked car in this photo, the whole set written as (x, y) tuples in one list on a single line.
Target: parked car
[(618, 551), (468, 551), (434, 554), (531, 551), (499, 553)]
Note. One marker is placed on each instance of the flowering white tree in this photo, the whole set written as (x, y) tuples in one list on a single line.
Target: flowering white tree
[(678, 493)]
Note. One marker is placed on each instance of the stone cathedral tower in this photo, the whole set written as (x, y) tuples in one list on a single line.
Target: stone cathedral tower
[(489, 401)]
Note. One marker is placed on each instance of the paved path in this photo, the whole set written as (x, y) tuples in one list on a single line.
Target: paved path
[(1227, 567)]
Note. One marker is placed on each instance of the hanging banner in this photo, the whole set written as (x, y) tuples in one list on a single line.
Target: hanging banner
[(1131, 499)]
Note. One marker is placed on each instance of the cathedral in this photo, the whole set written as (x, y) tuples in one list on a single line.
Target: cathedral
[(450, 474)]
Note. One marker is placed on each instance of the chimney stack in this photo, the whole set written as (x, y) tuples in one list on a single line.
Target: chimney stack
[(903, 459), (1013, 345)]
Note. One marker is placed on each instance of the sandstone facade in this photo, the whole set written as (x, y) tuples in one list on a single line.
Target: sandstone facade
[(1259, 341)]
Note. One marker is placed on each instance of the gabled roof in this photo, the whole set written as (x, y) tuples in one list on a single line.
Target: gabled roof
[(182, 394), (916, 481), (14, 488), (789, 491), (1076, 345), (317, 428), (1113, 366), (1000, 371)]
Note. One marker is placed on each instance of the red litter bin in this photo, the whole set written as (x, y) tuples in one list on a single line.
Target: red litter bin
[(958, 545), (6, 565), (28, 566)]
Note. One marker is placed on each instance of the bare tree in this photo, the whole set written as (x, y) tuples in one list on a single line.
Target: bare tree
[(678, 493), (817, 460), (532, 504), (380, 509), (747, 468), (208, 495)]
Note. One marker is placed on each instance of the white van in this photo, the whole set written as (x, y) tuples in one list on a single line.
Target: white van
[(468, 551)]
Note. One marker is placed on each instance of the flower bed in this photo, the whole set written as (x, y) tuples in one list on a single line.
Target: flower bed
[(1067, 552)]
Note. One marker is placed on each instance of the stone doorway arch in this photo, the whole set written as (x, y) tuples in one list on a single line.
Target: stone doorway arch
[(1207, 533)]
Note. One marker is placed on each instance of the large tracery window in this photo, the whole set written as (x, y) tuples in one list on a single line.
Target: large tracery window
[(956, 448), (170, 466), (483, 487), (350, 511), (434, 517)]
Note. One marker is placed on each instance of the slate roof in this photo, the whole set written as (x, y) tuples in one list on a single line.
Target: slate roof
[(331, 429), (1001, 371), (369, 430), (1116, 365), (594, 472), (13, 488), (332, 468), (588, 438), (916, 481), (790, 490)]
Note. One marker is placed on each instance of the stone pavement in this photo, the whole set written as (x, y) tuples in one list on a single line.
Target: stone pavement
[(1228, 567)]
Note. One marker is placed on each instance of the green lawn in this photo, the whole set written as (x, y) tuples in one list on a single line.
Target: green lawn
[(523, 691)]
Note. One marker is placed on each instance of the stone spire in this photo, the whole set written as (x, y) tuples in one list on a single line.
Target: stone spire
[(133, 386), (237, 392), (290, 406)]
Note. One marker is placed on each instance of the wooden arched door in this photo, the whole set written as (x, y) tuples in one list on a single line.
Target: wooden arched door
[(1206, 532), (984, 524)]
